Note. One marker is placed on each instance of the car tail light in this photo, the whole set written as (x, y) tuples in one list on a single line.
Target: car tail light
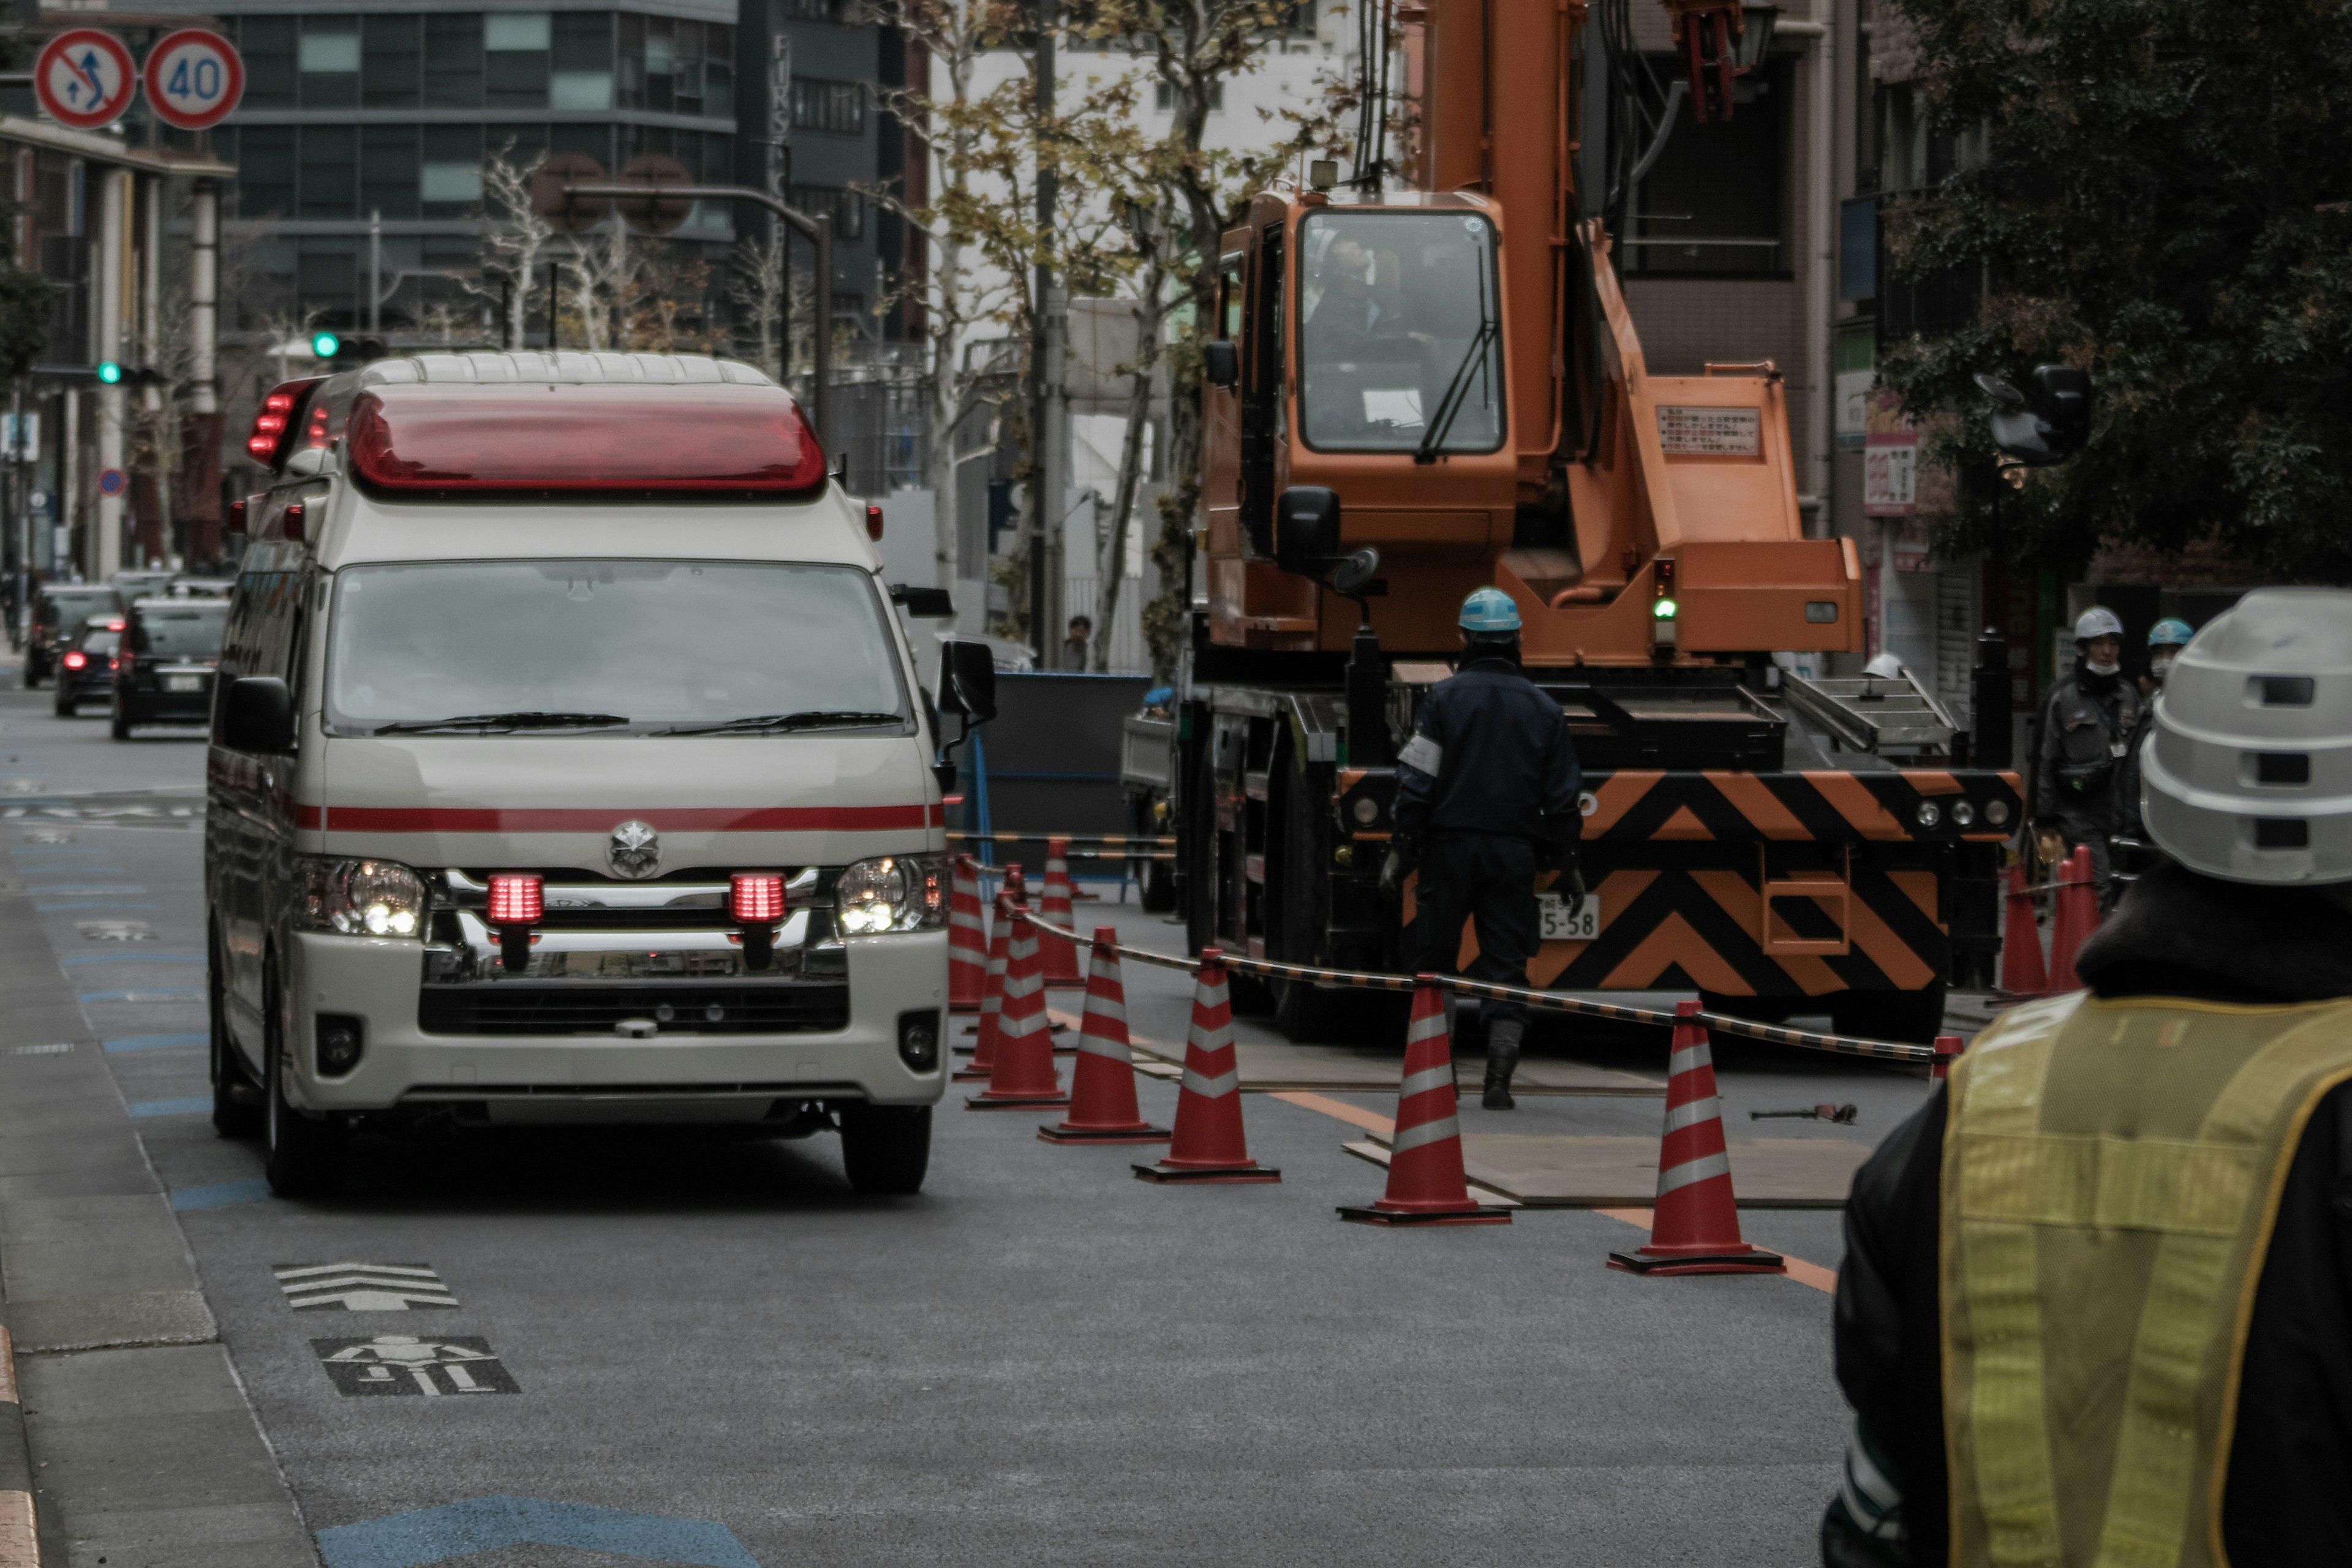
[(75, 660), (873, 521), (516, 898), (756, 897)]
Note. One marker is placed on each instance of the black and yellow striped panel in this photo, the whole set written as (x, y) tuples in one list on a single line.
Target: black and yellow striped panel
[(1829, 807)]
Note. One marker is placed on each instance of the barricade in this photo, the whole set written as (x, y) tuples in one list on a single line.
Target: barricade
[(1061, 957), (1024, 1073), (1103, 1108), (966, 940), (1695, 1226), (1426, 1185), (1208, 1145), (2077, 916)]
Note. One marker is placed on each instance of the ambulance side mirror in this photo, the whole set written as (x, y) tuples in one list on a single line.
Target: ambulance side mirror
[(968, 682)]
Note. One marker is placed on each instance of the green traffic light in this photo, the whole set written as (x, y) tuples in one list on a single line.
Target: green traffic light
[(326, 345), (1663, 609), (109, 371)]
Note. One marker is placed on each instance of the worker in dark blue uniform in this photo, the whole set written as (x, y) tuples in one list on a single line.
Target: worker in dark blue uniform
[(1487, 800)]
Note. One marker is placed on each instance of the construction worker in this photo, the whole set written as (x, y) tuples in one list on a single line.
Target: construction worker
[(2165, 641), (1487, 799), (2085, 718), (2096, 1303)]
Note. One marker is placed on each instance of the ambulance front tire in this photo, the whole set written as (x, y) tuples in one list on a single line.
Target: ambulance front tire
[(1914, 1016), (886, 1149), (302, 1158)]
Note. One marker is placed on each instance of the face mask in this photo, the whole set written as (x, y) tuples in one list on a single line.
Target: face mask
[(2096, 667), (2160, 666)]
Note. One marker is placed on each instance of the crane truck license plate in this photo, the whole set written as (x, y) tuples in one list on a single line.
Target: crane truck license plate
[(1560, 926)]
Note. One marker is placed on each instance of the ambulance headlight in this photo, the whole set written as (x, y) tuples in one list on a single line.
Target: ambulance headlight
[(359, 898), (891, 892)]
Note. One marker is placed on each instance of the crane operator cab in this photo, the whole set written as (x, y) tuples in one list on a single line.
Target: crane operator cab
[(569, 765)]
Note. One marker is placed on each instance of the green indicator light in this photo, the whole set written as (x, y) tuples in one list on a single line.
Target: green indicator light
[(326, 345), (1663, 609), (109, 371)]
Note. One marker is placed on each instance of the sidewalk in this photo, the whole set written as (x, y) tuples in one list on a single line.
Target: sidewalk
[(143, 1449)]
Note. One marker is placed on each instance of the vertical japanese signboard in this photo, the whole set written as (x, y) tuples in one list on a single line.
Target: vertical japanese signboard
[(1890, 460)]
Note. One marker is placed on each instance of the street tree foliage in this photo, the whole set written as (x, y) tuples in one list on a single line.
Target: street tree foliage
[(24, 303), (2164, 198)]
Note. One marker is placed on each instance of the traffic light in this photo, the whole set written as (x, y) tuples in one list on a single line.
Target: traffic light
[(326, 345), (352, 352), (109, 371), (2047, 421)]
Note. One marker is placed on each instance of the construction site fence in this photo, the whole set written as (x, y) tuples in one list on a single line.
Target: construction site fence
[(1548, 1001)]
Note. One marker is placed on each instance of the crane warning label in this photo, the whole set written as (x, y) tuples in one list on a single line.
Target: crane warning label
[(1711, 432)]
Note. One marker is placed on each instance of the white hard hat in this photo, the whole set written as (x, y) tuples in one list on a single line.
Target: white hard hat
[(2247, 774), (1886, 666), (2098, 621)]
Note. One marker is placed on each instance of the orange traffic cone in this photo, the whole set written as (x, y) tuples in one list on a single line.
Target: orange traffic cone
[(2076, 917), (991, 998), (1061, 957), (1695, 1229), (1425, 1181), (2021, 972), (1023, 1074), (1208, 1145), (1102, 1087), (966, 940)]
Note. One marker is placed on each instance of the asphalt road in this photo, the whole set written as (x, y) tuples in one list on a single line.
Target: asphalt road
[(1038, 1360)]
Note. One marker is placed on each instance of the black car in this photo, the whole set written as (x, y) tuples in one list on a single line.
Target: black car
[(170, 650), (86, 665), (60, 609)]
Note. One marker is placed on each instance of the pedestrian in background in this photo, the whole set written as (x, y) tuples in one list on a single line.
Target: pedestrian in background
[(2082, 725), (2165, 641), (1487, 799), (2096, 1303), (1074, 648)]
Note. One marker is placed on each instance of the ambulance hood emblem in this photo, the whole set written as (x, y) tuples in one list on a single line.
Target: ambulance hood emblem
[(636, 849)]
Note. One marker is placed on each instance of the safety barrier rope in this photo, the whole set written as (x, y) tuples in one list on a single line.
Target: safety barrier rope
[(1550, 1001)]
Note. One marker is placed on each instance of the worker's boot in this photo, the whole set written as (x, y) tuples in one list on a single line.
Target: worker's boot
[(1502, 1061)]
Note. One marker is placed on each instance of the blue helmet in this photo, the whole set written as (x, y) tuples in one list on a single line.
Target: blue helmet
[(2170, 632), (1488, 612)]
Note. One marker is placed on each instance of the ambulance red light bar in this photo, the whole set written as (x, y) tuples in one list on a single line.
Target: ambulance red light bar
[(756, 897), (524, 440), (267, 442)]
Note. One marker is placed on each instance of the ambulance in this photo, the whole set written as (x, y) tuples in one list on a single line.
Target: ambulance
[(569, 764)]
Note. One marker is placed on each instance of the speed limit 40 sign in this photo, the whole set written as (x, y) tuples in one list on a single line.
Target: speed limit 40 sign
[(194, 79)]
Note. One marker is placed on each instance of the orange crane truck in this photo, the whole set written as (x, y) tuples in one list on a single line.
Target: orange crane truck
[(1414, 393)]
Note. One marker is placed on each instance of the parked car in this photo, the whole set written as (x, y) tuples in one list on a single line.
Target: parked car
[(60, 609), (141, 583), (86, 668), (165, 672)]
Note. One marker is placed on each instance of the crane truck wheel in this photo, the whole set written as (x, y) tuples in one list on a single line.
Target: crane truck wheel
[(1916, 1016)]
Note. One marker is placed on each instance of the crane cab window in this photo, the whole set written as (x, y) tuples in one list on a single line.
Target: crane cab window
[(1399, 344)]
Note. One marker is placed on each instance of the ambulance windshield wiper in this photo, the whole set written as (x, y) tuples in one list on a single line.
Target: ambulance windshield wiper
[(525, 721), (759, 723)]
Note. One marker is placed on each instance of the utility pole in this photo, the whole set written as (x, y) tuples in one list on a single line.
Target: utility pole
[(376, 271), (1045, 369)]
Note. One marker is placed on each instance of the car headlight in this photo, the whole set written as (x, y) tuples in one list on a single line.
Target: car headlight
[(359, 898), (892, 892)]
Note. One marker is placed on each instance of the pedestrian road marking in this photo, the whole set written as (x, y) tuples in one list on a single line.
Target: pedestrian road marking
[(408, 1364), (481, 1524), (83, 889), (188, 993), (82, 958), (361, 1287), (116, 930), (220, 1195), (188, 1107), (85, 908), (158, 1042), (52, 1048)]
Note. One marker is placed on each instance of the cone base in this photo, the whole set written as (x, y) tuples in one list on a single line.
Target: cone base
[(968, 1075), (1750, 1260), (1477, 1214), (1014, 1101), (1141, 1133), (1167, 1175)]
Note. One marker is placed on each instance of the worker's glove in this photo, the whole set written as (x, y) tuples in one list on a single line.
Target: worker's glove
[(1570, 888), (1393, 870)]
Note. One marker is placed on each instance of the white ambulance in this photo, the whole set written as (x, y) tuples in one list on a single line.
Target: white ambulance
[(569, 764)]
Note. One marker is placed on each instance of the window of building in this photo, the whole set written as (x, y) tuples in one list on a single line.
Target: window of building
[(595, 141), (582, 75), (661, 63), (453, 60), (330, 162), (515, 50), (330, 62), (717, 158), (847, 207), (1164, 96), (392, 48), (328, 279), (450, 183), (629, 62), (839, 107), (809, 10), (268, 44), (265, 170), (1715, 202), (388, 170)]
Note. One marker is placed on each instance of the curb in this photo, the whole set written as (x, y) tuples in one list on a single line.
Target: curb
[(19, 1548)]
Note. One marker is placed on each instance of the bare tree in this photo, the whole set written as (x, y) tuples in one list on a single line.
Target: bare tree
[(603, 274), (757, 291), (513, 237)]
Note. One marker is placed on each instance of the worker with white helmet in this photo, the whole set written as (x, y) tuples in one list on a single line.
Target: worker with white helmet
[(2084, 723), (2096, 1303)]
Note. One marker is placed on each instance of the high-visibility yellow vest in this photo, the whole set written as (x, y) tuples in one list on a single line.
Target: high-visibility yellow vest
[(2111, 1174)]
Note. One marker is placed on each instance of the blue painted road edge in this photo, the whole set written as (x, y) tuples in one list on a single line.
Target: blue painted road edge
[(489, 1523)]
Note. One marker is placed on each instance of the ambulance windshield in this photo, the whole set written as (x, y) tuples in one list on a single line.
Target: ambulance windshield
[(609, 648)]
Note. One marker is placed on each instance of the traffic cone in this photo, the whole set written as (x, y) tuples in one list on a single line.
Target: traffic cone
[(1023, 1074), (2076, 917), (966, 940), (1061, 957), (991, 998), (1947, 1051), (2022, 971), (1695, 1228), (1208, 1145), (1102, 1087), (1425, 1181)]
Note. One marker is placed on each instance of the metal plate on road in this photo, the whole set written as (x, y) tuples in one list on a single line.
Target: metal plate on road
[(116, 930), (398, 1364), (360, 1287), (1558, 926)]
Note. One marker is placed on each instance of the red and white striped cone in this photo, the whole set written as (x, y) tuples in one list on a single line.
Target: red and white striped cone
[(1102, 1088), (1023, 1074), (1426, 1185), (1061, 957), (2022, 973), (966, 940), (991, 998), (1695, 1229), (1208, 1145), (2074, 919)]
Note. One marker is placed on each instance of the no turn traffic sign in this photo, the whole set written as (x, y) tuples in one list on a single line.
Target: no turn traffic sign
[(194, 79), (84, 79)]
